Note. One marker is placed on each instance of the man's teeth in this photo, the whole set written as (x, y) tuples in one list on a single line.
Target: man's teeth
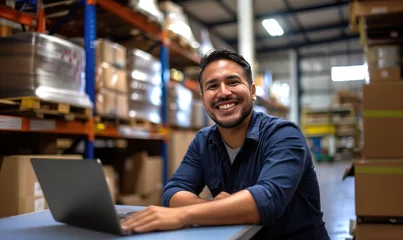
[(226, 106)]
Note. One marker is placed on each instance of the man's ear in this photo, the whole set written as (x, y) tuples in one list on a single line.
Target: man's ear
[(253, 91)]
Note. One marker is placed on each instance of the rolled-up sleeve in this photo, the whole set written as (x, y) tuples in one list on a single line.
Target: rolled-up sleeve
[(189, 175), (285, 153)]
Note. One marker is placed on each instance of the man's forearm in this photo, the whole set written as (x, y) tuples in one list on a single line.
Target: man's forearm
[(185, 198), (239, 208)]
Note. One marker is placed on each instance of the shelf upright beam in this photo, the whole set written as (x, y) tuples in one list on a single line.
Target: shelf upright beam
[(40, 14), (165, 74), (90, 41)]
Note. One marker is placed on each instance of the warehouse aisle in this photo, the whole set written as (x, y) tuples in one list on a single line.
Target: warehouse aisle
[(337, 198)]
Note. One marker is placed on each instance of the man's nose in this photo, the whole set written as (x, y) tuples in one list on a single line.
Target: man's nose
[(223, 90)]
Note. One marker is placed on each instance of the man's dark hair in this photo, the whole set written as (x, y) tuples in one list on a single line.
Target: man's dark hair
[(218, 54)]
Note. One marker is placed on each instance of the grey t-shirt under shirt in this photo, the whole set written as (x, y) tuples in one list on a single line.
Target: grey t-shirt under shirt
[(231, 152)]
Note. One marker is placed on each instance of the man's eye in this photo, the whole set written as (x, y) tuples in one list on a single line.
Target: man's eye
[(233, 82), (212, 86)]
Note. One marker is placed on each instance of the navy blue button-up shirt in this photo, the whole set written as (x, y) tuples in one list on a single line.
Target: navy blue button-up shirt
[(274, 164)]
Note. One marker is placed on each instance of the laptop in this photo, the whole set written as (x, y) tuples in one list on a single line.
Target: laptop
[(77, 194)]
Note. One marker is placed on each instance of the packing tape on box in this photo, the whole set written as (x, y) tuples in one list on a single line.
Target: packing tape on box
[(379, 170), (383, 113)]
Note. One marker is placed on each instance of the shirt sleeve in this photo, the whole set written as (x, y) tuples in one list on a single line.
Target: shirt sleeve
[(188, 177), (285, 156)]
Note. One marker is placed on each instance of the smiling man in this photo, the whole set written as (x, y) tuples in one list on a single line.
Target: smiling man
[(258, 167)]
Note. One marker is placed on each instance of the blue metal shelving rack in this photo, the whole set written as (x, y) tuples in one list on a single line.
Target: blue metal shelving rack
[(90, 38)]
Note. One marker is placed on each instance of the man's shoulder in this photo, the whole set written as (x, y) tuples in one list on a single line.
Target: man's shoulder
[(272, 123), (205, 132)]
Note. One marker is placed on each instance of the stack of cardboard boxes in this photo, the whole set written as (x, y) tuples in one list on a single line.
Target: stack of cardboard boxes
[(379, 175), (20, 191), (111, 82)]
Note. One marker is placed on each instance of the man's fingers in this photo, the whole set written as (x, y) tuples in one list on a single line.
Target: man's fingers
[(148, 227)]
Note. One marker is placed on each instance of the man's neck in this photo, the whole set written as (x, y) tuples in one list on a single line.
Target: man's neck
[(234, 137)]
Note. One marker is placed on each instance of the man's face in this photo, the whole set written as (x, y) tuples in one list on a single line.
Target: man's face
[(227, 96)]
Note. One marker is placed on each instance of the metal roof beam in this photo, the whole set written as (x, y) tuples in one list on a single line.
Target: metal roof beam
[(285, 12), (305, 44)]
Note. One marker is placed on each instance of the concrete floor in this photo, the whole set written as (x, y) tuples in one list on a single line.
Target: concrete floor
[(337, 198)]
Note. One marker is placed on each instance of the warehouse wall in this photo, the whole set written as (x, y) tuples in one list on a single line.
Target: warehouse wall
[(315, 66)]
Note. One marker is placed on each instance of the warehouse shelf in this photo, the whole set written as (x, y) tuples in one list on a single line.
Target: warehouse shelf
[(27, 124), (35, 21), (112, 20), (58, 126), (378, 22), (127, 132)]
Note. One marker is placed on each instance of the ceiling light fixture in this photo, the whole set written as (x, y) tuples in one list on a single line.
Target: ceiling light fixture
[(272, 27)]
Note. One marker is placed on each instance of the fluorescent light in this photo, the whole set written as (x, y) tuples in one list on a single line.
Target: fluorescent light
[(349, 73), (272, 27)]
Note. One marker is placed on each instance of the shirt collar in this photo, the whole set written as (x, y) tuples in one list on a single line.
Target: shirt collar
[(252, 132)]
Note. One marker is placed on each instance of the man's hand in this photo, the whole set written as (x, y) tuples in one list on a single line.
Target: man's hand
[(154, 218), (221, 195)]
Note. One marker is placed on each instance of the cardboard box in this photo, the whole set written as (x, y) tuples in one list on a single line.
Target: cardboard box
[(378, 188), (109, 172), (111, 53), (178, 145), (148, 173), (111, 77), (111, 103), (383, 120), (142, 174), (374, 7), (391, 74), (20, 191), (379, 232)]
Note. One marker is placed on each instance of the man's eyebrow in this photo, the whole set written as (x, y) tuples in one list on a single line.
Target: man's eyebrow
[(210, 81), (233, 76)]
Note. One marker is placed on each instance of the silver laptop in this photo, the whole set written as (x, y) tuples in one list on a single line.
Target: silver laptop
[(77, 194)]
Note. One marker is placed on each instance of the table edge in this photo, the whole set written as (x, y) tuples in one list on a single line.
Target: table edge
[(247, 232)]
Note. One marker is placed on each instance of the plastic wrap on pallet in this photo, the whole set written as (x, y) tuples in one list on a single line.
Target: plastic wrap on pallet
[(143, 62), (43, 66), (177, 22), (179, 105), (144, 86), (149, 8)]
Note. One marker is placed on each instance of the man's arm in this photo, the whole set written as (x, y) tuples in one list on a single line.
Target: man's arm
[(185, 198), (239, 208), (188, 180)]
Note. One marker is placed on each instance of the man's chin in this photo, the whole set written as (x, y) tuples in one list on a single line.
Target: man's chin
[(227, 123)]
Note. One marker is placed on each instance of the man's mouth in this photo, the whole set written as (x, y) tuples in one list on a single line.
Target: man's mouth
[(226, 106)]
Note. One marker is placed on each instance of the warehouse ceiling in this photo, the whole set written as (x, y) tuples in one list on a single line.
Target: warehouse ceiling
[(305, 22)]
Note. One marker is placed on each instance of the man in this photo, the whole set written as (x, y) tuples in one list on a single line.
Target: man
[(258, 167)]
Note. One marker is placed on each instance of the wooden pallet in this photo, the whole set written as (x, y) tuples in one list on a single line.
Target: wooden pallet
[(139, 123), (33, 106)]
